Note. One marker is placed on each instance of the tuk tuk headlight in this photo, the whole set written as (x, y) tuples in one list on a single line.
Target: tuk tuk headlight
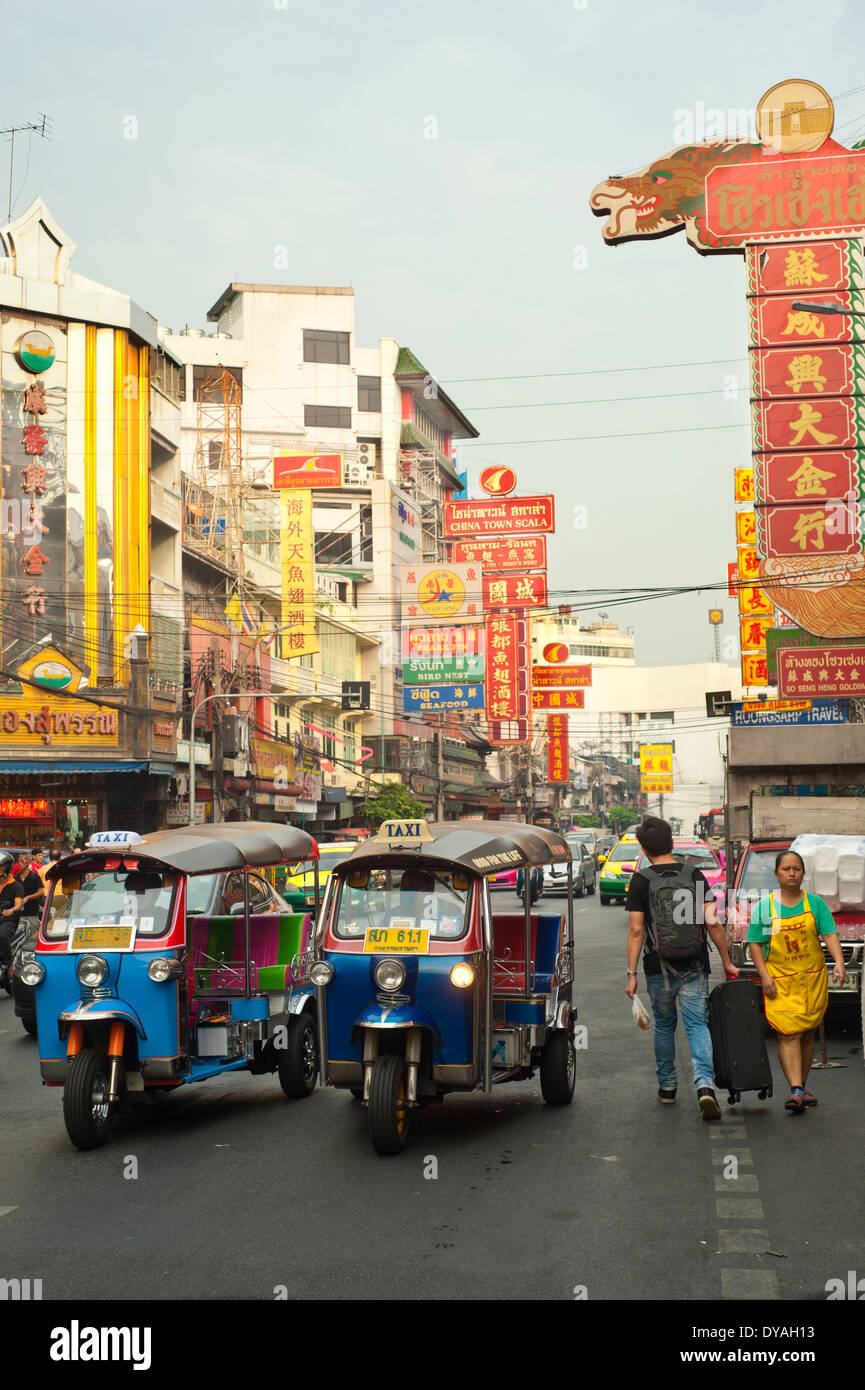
[(31, 973), (321, 973), (162, 968), (91, 970), (389, 974), (462, 974)]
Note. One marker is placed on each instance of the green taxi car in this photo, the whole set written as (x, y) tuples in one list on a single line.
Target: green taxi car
[(616, 870)]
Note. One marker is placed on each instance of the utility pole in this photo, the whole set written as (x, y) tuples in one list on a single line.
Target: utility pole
[(41, 128), (440, 770)]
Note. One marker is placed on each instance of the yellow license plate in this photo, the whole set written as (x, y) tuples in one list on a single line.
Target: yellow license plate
[(400, 941), (101, 938)]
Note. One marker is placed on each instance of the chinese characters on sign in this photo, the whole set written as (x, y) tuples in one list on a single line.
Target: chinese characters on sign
[(439, 697), (502, 682), (307, 470), (512, 591), (557, 747), (656, 767), (558, 699), (513, 553), (832, 671), (297, 551), (440, 593)]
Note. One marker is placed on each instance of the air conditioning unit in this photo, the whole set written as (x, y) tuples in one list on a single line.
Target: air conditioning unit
[(182, 780), (360, 471)]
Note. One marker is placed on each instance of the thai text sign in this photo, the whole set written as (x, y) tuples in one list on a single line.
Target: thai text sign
[(793, 638), (439, 697), (502, 684), (517, 553), (499, 516), (831, 671), (299, 470), (560, 677), (297, 551), (656, 767), (515, 591), (809, 195), (799, 712), (431, 655), (557, 747), (24, 722), (441, 593)]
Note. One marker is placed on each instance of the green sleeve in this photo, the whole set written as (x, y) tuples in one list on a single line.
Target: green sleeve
[(822, 916), (759, 929)]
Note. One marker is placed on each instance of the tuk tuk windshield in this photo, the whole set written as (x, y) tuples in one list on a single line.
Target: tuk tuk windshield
[(411, 898), (139, 898)]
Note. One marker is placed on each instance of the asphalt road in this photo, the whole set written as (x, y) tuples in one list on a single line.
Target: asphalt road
[(239, 1191)]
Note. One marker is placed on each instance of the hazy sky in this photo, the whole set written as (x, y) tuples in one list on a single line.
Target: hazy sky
[(262, 125)]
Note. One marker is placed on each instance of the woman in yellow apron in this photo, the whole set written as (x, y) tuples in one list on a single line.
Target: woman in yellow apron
[(784, 937)]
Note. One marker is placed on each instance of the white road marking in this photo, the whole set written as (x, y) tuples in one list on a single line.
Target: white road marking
[(739, 1209), (754, 1284), (4, 1211), (743, 1156), (747, 1182), (747, 1241)]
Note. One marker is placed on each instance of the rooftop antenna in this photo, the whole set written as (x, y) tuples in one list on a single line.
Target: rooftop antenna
[(42, 127)]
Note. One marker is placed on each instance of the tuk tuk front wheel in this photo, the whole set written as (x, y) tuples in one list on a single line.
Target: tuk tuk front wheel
[(298, 1060), (388, 1109), (87, 1111), (558, 1069)]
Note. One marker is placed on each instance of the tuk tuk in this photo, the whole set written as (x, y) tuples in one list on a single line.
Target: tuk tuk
[(422, 989), (166, 959)]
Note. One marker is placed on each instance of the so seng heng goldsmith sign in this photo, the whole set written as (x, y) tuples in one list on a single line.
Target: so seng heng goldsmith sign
[(793, 202)]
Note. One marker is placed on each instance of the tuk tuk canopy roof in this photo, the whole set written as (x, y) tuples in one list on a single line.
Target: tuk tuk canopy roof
[(206, 849), (485, 846)]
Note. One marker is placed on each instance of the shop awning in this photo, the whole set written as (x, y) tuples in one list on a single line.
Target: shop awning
[(35, 769)]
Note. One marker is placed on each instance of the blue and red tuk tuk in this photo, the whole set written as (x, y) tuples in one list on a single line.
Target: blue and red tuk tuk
[(168, 959)]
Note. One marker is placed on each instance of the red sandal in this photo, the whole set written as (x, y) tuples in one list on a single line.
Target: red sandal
[(808, 1098)]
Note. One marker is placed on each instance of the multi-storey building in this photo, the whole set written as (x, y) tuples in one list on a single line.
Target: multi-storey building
[(284, 368), (89, 612)]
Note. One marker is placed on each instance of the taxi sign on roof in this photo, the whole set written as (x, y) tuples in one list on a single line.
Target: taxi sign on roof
[(113, 839), (403, 832)]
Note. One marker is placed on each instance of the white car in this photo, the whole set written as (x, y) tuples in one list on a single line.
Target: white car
[(582, 868)]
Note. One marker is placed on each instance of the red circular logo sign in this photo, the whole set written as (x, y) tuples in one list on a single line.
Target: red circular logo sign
[(498, 482), (556, 653)]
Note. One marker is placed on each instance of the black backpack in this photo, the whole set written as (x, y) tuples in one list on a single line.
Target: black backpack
[(676, 931)]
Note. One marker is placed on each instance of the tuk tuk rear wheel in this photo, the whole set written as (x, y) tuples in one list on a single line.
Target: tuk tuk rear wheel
[(388, 1109), (558, 1069), (87, 1111), (297, 1063)]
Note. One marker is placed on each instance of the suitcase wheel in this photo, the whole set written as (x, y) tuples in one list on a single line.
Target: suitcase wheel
[(731, 1099), (761, 1095)]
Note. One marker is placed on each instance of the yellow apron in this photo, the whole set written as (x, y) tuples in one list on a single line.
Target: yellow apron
[(795, 961)]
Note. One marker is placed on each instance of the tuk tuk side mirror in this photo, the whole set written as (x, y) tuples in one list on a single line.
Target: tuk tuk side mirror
[(358, 878), (70, 885), (460, 882)]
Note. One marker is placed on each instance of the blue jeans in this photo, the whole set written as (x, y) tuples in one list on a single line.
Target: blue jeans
[(692, 992)]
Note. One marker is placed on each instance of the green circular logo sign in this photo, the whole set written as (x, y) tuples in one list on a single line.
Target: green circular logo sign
[(35, 351)]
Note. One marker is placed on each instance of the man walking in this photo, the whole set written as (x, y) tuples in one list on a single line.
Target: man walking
[(671, 909)]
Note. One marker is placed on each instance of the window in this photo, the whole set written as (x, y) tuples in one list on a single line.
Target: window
[(336, 417), (369, 393), (666, 714), (322, 345)]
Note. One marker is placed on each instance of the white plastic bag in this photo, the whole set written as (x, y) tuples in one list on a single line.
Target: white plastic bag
[(641, 1018)]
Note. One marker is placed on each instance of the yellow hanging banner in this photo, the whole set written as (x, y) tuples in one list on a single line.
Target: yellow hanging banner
[(297, 549)]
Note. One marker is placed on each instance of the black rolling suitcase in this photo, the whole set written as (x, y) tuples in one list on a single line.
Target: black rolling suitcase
[(736, 1026)]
